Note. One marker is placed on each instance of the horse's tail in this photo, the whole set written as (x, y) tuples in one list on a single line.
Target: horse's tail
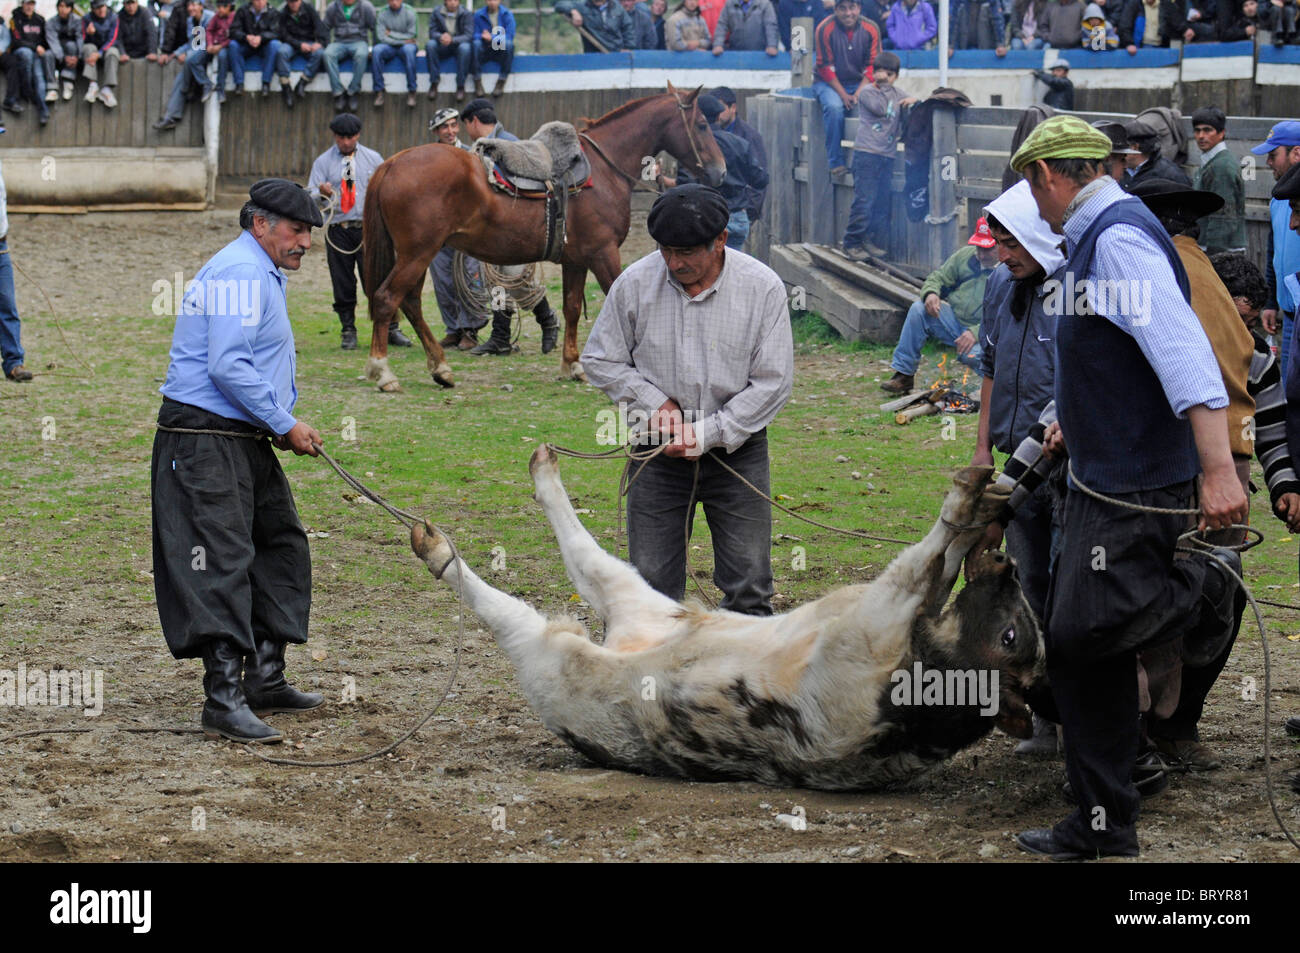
[(379, 258)]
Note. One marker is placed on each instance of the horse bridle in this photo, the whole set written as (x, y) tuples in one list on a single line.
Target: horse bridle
[(682, 110)]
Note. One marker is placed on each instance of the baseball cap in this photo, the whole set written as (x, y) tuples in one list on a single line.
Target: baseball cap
[(1283, 134), (983, 238)]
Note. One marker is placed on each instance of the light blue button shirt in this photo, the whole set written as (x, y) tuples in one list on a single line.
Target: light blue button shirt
[(232, 351)]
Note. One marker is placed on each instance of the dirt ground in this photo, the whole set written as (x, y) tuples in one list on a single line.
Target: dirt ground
[(485, 781)]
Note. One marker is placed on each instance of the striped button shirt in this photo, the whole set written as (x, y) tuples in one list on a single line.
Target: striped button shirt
[(726, 356)]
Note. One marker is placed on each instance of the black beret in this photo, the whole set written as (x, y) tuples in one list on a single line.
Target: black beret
[(1288, 187), (688, 216), (1210, 116), (1175, 200), (725, 93), (711, 107), (476, 106), (345, 124), (286, 198)]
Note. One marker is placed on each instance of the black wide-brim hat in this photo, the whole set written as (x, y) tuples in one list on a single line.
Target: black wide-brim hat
[(1170, 198)]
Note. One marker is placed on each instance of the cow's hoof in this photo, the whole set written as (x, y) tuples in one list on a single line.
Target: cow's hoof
[(442, 375), (543, 456), (432, 547)]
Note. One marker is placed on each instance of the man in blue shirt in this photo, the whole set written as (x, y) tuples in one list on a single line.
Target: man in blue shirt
[(232, 569), (1283, 150)]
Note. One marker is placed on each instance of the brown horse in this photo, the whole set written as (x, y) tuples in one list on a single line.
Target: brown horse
[(435, 195)]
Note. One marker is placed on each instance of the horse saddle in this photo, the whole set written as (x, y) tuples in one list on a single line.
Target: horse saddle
[(551, 166)]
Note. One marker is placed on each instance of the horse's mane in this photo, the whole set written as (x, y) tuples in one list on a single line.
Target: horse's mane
[(586, 122)]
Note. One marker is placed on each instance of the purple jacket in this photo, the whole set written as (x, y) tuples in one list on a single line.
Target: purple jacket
[(911, 30)]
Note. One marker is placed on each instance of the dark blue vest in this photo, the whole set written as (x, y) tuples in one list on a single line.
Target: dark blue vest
[(1118, 426)]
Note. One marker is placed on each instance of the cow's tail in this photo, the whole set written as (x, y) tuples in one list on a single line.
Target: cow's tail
[(379, 258)]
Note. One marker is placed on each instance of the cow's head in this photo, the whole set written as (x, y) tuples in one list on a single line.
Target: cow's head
[(998, 630)]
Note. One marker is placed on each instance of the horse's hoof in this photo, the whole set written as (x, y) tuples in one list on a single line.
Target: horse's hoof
[(577, 373), (442, 376), (391, 387)]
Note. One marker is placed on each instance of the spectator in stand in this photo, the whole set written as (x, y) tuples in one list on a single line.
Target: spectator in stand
[(911, 25), (1148, 161), (1281, 19), (1241, 20), (1060, 91), (1150, 23), (183, 32), (846, 47), (730, 122), (27, 47), (1097, 33), (1061, 23), (256, 31), (687, 29), (13, 71), (1202, 17), (746, 25), (978, 25), (789, 10), (302, 33), (451, 36), (349, 26), (606, 23), (1025, 15), (950, 309), (643, 25), (1283, 150), (177, 32), (99, 42), (62, 50), (880, 122), (1220, 173), (395, 39), (216, 49), (494, 39), (137, 34), (658, 13)]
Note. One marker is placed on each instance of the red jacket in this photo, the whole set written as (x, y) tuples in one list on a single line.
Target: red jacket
[(844, 55), (218, 30)]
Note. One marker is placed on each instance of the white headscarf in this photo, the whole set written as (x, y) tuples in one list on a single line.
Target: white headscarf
[(1018, 212)]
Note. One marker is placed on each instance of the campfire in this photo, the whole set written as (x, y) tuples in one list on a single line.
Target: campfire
[(946, 395)]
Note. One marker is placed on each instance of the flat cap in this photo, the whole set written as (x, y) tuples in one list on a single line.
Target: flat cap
[(1061, 137), (1143, 134), (1288, 187), (1210, 116), (1061, 63), (443, 115), (1175, 200), (688, 216), (345, 124), (475, 106), (286, 198), (711, 107), (1118, 137)]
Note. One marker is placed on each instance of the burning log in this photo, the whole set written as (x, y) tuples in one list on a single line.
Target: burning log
[(924, 409), (943, 397)]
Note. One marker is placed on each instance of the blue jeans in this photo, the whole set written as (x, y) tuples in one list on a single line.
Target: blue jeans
[(1035, 43), (196, 64), (268, 50), (435, 53), (11, 329), (354, 50), (869, 213), (737, 229), (833, 117), (484, 52), (920, 327), (34, 67), (383, 54), (176, 99), (286, 52)]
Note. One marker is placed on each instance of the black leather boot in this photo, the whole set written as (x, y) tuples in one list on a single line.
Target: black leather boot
[(226, 712), (265, 686), (549, 323), (348, 339), (499, 342)]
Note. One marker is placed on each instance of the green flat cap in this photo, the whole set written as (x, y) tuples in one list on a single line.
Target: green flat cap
[(1062, 137)]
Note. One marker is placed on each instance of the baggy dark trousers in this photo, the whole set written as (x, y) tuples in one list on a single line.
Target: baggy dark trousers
[(1097, 619), (344, 266), (739, 522), (252, 578)]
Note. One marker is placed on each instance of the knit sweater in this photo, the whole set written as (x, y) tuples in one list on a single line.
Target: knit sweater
[(1226, 228)]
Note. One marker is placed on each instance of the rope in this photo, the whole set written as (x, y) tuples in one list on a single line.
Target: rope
[(329, 218), (523, 289)]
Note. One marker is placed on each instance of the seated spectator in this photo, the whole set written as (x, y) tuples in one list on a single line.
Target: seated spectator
[(846, 47), (1281, 20), (604, 27), (395, 40), (27, 28), (451, 36), (62, 49), (256, 30), (174, 27), (12, 69), (1060, 90), (1060, 24), (302, 32), (789, 10), (658, 13), (1097, 33), (1242, 20), (911, 25), (1150, 23), (99, 42), (216, 49), (687, 29), (1220, 173), (137, 34), (349, 24), (643, 25), (880, 123), (1147, 161), (186, 34), (494, 40), (950, 309), (746, 25), (1025, 15), (1201, 16), (978, 25)]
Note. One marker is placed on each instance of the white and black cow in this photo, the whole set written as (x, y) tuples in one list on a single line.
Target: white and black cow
[(826, 696)]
